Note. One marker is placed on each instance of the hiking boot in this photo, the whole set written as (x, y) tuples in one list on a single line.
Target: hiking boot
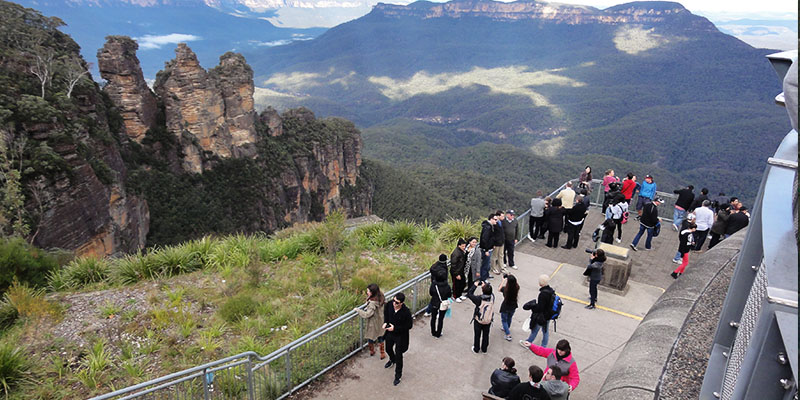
[(371, 347), (382, 349)]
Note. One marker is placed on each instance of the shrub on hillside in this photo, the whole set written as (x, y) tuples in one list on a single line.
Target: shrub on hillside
[(452, 230), (24, 262), (80, 272), (402, 233), (237, 307), (13, 365)]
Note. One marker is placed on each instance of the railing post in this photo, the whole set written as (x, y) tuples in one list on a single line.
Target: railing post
[(414, 294), (288, 359), (250, 394), (360, 332), (206, 395)]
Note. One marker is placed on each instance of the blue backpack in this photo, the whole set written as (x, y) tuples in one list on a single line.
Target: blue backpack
[(555, 312)]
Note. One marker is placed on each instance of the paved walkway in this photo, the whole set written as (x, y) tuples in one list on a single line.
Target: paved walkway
[(652, 267), (445, 368)]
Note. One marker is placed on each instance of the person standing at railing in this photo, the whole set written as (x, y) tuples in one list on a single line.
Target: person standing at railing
[(628, 186), (438, 272), (397, 322), (574, 223), (440, 300), (499, 241), (608, 179), (704, 218), (555, 222), (682, 205), (373, 318), (487, 244), (472, 268), (739, 219), (647, 192), (648, 223), (458, 263), (585, 180), (720, 224), (535, 225), (511, 232)]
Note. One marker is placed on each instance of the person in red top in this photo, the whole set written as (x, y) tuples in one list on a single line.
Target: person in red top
[(561, 356), (628, 187)]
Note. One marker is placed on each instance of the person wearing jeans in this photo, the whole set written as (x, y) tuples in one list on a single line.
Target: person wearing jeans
[(510, 290), (682, 204), (541, 309), (647, 223)]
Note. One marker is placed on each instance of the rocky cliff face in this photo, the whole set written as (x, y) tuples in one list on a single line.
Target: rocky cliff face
[(126, 85), (210, 114), (85, 207), (637, 12)]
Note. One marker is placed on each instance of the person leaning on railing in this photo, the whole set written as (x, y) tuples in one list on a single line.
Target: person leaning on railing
[(373, 318)]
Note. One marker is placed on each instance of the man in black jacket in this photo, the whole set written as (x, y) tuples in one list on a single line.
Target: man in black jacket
[(458, 260), (574, 223), (541, 309), (682, 205), (648, 222), (487, 244), (498, 240), (698, 201), (510, 230), (397, 322), (737, 220)]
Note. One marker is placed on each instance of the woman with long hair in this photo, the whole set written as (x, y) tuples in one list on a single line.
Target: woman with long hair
[(510, 290), (373, 316), (504, 379), (585, 181), (472, 269)]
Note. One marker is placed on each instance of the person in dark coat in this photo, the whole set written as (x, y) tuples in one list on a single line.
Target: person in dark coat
[(510, 230), (647, 223), (698, 201), (487, 244), (555, 222), (504, 379), (498, 240), (458, 261), (397, 322), (682, 205), (685, 243), (595, 273), (720, 225), (574, 223), (440, 292), (737, 220), (481, 338), (438, 272), (540, 309), (531, 390)]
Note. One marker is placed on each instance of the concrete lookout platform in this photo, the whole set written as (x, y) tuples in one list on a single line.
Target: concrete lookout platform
[(446, 368)]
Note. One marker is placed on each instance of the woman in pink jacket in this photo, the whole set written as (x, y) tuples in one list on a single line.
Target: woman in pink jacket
[(561, 356)]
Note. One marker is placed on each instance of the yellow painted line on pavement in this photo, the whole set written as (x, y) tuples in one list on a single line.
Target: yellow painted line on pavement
[(624, 314), (556, 271)]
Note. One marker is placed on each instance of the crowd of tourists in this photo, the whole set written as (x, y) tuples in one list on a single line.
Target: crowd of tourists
[(466, 274)]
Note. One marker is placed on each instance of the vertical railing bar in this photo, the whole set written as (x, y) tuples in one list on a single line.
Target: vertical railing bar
[(288, 370)]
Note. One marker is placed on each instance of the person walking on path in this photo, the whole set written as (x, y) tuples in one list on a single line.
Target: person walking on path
[(595, 273), (487, 244), (536, 221), (575, 218), (498, 240), (686, 243), (504, 379), (531, 390), (510, 290), (472, 270), (704, 218), (540, 309), (682, 205), (511, 232), (647, 223), (555, 222), (738, 219), (647, 192), (482, 317), (440, 294), (397, 322), (585, 180), (720, 225), (373, 318), (553, 385), (458, 263), (562, 357), (684, 226)]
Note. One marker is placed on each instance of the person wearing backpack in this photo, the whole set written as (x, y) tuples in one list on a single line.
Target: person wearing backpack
[(440, 294), (595, 273), (562, 357), (482, 317), (541, 309)]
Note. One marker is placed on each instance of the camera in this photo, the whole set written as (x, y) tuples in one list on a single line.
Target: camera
[(505, 275), (590, 251)]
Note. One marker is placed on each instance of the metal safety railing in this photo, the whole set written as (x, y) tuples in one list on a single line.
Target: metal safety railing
[(754, 352), (279, 374)]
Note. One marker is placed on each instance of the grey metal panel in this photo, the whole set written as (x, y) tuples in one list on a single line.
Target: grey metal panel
[(787, 324)]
